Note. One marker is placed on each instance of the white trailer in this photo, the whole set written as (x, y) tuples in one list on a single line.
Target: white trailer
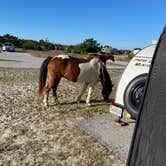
[(132, 83)]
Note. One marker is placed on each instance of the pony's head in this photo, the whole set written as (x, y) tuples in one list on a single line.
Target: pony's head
[(107, 56), (103, 56), (112, 58), (106, 83)]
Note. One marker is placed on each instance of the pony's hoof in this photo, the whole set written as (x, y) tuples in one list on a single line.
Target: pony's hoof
[(88, 104), (46, 106), (78, 101), (107, 100), (56, 102)]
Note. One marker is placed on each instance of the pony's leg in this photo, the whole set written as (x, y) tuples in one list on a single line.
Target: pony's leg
[(47, 90), (89, 95), (82, 92), (56, 82), (45, 99)]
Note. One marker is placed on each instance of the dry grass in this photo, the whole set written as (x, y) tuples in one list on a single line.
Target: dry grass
[(32, 135), (122, 58), (44, 54), (41, 54)]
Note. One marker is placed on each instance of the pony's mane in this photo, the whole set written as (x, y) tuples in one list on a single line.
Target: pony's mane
[(106, 83)]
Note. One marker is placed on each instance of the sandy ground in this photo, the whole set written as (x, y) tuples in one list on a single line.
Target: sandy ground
[(33, 135)]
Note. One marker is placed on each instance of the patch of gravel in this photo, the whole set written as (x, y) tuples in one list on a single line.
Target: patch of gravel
[(33, 135)]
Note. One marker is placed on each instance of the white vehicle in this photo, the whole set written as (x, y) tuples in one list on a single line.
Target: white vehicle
[(8, 47), (132, 83)]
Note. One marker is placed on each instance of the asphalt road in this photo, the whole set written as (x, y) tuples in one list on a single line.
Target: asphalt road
[(25, 60), (112, 136), (19, 60)]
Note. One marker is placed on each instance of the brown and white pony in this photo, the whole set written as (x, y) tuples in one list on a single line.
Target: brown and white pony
[(88, 71)]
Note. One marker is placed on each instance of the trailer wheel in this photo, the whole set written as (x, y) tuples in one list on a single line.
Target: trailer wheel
[(134, 94)]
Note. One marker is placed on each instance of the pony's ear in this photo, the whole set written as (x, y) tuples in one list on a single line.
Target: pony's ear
[(112, 58)]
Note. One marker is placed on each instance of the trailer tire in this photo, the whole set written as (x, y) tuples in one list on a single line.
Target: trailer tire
[(133, 95)]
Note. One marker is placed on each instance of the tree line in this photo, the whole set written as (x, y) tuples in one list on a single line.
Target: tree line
[(88, 45), (27, 44)]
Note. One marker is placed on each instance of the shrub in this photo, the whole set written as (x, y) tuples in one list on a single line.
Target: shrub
[(130, 55)]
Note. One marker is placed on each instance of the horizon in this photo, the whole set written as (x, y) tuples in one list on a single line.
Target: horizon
[(57, 43), (122, 25)]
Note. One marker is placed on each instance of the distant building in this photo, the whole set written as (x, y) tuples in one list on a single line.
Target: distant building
[(106, 49), (154, 41), (136, 50), (59, 48)]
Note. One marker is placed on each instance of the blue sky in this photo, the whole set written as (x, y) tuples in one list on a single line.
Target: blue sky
[(120, 23)]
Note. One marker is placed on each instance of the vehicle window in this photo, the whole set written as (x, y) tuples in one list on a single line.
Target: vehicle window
[(8, 44)]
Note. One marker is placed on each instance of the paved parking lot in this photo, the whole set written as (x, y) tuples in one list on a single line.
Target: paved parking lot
[(114, 137), (19, 60)]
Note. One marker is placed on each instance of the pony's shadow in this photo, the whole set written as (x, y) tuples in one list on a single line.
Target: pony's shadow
[(93, 103)]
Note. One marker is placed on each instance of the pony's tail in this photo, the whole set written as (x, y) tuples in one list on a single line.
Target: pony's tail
[(43, 75)]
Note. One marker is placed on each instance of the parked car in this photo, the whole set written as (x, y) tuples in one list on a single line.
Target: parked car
[(131, 86), (8, 47)]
